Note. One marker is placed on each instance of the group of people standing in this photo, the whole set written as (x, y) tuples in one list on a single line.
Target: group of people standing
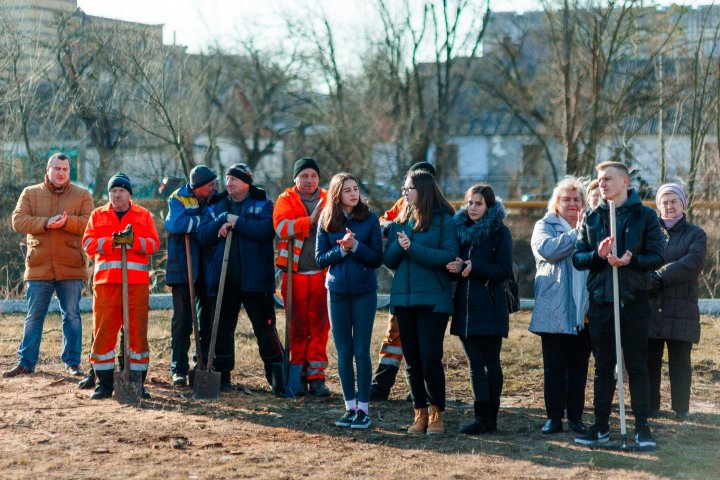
[(449, 267), (658, 263)]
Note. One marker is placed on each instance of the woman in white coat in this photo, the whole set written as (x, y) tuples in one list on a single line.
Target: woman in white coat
[(556, 318)]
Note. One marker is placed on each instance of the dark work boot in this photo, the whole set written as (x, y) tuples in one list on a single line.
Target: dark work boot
[(482, 423), (383, 381), (318, 388), (104, 386), (89, 380), (145, 393), (494, 408)]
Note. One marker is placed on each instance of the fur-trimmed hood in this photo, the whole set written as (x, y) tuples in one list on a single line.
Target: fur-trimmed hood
[(474, 233)]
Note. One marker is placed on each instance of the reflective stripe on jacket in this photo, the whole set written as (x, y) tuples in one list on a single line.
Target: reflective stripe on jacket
[(98, 243), (291, 220)]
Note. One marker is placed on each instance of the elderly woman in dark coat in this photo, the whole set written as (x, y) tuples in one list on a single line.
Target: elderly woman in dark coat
[(674, 298), (481, 317)]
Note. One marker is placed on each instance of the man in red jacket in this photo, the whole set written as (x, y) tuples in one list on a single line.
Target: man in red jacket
[(295, 219), (105, 233)]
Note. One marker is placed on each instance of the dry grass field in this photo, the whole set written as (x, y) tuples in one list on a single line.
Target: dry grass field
[(50, 429)]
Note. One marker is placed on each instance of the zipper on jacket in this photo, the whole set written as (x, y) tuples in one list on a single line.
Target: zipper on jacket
[(467, 298)]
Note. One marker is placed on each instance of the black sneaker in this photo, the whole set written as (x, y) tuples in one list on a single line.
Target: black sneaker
[(361, 420), (643, 436), (347, 419), (595, 434), (179, 380)]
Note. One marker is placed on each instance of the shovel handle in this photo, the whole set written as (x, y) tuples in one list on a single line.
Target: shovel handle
[(288, 316), (616, 315), (193, 310), (218, 301), (125, 306)]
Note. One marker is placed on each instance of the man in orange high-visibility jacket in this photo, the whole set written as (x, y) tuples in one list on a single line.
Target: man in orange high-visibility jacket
[(105, 232), (391, 354), (295, 219)]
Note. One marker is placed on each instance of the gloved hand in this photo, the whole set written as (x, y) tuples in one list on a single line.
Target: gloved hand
[(126, 237), (655, 284)]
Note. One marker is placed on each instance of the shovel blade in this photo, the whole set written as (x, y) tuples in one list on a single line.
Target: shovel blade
[(206, 385), (286, 386), (128, 387)]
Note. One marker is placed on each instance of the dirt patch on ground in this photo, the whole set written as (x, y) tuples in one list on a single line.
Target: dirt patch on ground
[(50, 429)]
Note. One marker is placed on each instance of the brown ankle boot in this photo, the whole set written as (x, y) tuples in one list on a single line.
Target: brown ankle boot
[(435, 422), (421, 422)]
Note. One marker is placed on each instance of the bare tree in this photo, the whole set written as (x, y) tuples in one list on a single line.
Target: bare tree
[(86, 58), (579, 73)]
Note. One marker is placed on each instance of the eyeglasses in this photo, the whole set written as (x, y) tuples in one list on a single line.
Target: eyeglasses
[(406, 190)]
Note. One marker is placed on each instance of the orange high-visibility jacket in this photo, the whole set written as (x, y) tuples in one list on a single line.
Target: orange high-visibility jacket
[(291, 220), (98, 243)]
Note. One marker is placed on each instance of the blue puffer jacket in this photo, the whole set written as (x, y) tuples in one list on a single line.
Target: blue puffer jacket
[(254, 235), (480, 301), (352, 273), (184, 216), (421, 276)]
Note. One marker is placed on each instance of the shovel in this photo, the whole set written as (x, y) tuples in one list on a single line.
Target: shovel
[(193, 311), (286, 381), (127, 385), (207, 382), (618, 353)]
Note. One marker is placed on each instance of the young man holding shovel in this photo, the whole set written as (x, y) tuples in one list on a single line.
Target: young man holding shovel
[(105, 233), (640, 249), (185, 210), (250, 276)]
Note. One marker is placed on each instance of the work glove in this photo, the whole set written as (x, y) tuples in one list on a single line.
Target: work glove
[(126, 237), (655, 284)]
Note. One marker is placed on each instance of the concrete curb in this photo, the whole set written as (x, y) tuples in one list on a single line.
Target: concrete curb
[(163, 301)]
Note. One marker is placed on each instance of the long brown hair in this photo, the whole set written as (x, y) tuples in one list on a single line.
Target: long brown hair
[(429, 197), (333, 214)]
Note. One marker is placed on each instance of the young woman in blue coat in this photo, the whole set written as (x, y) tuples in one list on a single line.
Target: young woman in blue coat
[(349, 242), (556, 317), (419, 245), (481, 317)]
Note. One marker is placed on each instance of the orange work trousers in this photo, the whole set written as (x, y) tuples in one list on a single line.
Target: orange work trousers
[(309, 323), (108, 319)]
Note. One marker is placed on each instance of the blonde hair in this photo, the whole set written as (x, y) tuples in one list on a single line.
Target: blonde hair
[(567, 183)]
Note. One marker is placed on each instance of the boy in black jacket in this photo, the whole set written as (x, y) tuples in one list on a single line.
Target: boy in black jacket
[(641, 244)]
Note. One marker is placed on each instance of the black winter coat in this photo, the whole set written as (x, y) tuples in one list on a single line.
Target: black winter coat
[(638, 230), (674, 287), (480, 305)]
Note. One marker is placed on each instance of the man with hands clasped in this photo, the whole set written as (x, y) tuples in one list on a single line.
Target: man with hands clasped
[(640, 246)]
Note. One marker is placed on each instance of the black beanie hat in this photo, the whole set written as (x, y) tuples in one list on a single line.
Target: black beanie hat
[(201, 175), (424, 166), (304, 163), (241, 171), (120, 180)]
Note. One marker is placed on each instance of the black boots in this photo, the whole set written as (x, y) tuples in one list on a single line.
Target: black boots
[(89, 381), (104, 386), (383, 381), (484, 422)]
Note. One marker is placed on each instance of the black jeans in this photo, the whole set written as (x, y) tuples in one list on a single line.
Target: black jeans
[(422, 333), (565, 365), (486, 376), (680, 372), (260, 309), (634, 321), (180, 329)]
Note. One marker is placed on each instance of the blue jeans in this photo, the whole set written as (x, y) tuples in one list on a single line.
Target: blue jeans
[(39, 294), (351, 319)]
